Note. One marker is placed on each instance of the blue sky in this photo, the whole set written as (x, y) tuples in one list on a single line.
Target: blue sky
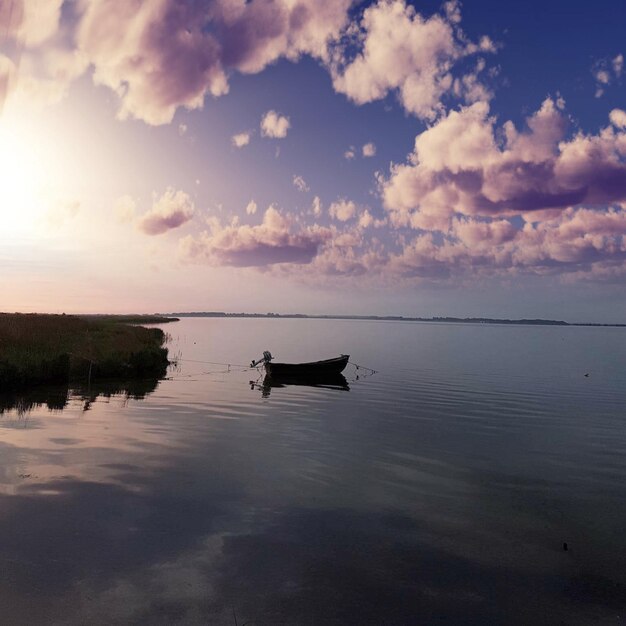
[(393, 158)]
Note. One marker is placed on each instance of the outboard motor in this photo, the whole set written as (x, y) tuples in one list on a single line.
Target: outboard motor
[(267, 357)]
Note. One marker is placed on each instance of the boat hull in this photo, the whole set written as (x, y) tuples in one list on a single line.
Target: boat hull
[(316, 369)]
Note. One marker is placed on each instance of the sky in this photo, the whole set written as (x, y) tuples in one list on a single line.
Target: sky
[(314, 156)]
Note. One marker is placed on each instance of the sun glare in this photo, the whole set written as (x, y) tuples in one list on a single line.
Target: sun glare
[(23, 182)]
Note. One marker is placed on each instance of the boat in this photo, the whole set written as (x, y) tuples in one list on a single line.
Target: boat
[(311, 370)]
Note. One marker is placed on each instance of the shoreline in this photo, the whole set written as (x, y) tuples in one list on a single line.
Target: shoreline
[(397, 318), (38, 349)]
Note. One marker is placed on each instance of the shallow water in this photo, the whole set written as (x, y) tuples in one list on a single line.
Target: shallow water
[(440, 489)]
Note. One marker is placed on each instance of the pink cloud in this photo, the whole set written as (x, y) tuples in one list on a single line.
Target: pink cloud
[(578, 241), (241, 139), (342, 210), (269, 243), (369, 149), (400, 50), (171, 210), (459, 166), (606, 71), (161, 55), (274, 125), (300, 184)]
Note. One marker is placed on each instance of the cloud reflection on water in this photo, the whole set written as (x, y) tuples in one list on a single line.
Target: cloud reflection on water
[(413, 498)]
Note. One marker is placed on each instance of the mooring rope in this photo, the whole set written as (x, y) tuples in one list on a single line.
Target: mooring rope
[(211, 363), (239, 368), (362, 367), (236, 369)]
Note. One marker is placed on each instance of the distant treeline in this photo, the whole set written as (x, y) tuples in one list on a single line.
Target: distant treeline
[(38, 349), (393, 318), (130, 319)]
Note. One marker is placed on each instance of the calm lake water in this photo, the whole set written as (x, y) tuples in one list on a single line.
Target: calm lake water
[(442, 489)]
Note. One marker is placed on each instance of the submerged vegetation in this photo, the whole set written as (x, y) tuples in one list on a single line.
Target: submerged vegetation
[(38, 349)]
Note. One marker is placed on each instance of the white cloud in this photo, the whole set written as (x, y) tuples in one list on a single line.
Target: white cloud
[(160, 55), (241, 139), (164, 54), (349, 154), (401, 50), (605, 71), (300, 184), (274, 125), (618, 118), (316, 207), (32, 22), (366, 219), (342, 210), (171, 210), (603, 77), (271, 242), (460, 166), (369, 150), (251, 207), (182, 129)]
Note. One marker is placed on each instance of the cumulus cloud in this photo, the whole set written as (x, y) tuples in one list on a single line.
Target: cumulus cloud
[(33, 73), (349, 154), (269, 243), (605, 71), (33, 23), (161, 55), (369, 150), (618, 118), (459, 166), (366, 219), (342, 210), (241, 139), (182, 129), (251, 207), (274, 125), (316, 207), (171, 210), (578, 241), (300, 184), (400, 50), (173, 54)]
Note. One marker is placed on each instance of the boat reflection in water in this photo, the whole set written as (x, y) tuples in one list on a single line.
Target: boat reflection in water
[(336, 382)]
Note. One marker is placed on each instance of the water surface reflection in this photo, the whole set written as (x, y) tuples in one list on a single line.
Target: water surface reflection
[(335, 382), (440, 490), (56, 398)]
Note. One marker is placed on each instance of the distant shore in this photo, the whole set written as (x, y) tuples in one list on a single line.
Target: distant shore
[(395, 318), (44, 349)]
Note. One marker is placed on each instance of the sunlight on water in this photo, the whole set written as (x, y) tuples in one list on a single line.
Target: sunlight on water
[(442, 487)]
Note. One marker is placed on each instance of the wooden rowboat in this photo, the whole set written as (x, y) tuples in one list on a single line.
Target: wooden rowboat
[(314, 369)]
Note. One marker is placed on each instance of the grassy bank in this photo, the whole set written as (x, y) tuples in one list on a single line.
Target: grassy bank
[(36, 349)]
